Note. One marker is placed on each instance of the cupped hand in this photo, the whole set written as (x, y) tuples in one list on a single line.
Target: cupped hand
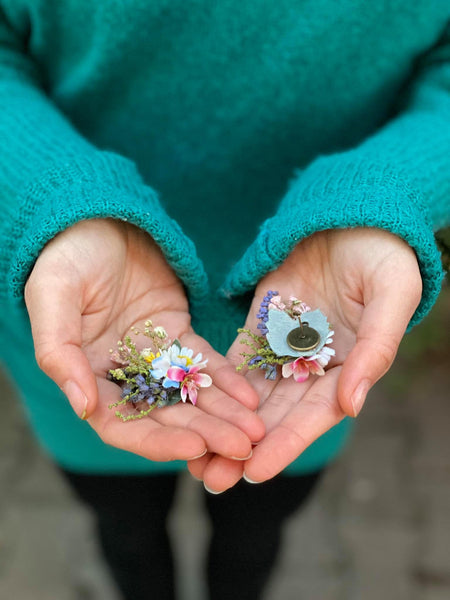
[(89, 286), (367, 282)]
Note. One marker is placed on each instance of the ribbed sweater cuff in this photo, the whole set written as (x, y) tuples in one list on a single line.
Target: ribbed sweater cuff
[(336, 193), (105, 185)]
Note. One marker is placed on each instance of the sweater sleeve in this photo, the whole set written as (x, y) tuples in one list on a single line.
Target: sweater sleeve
[(51, 177), (398, 179)]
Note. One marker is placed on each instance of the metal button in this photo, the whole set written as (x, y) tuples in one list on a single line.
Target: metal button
[(303, 338)]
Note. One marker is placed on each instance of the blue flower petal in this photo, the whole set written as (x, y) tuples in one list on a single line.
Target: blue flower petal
[(169, 383)]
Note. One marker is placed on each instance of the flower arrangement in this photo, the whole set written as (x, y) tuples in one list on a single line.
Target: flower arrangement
[(272, 348), (160, 375)]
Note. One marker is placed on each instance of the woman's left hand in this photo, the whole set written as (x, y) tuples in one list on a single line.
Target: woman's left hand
[(367, 283)]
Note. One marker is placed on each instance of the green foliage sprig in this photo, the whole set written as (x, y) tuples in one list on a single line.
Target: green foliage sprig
[(260, 348)]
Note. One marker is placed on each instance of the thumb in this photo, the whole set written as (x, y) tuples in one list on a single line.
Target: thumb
[(383, 324), (54, 308)]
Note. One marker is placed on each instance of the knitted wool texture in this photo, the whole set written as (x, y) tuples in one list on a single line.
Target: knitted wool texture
[(219, 107)]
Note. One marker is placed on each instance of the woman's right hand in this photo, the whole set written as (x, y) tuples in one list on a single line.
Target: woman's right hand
[(89, 286)]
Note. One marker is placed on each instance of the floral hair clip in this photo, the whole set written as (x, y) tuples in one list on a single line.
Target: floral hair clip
[(291, 335), (157, 376)]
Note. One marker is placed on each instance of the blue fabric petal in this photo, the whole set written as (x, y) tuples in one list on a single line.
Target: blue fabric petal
[(156, 361), (157, 373), (279, 324), (169, 383)]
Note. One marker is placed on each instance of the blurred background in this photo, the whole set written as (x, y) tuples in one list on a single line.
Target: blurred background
[(378, 526)]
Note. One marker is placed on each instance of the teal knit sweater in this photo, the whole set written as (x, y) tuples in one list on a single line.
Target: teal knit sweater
[(229, 131)]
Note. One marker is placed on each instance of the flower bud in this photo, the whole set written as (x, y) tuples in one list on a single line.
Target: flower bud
[(160, 332)]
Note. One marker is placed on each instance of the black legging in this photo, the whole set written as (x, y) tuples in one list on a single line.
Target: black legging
[(131, 513)]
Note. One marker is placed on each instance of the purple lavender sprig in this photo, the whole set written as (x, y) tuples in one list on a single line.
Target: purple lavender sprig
[(263, 313), (143, 390)]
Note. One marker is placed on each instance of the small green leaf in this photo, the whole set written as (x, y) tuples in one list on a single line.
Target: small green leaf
[(174, 398), (177, 343)]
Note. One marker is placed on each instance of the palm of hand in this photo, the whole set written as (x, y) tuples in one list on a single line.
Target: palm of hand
[(101, 278), (368, 285)]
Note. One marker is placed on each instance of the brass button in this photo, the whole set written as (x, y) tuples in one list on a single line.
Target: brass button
[(303, 338)]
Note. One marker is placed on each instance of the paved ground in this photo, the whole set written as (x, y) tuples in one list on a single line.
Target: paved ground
[(379, 526)]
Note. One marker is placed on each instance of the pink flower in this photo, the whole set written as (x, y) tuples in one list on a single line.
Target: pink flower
[(301, 367), (190, 380), (297, 307), (276, 303)]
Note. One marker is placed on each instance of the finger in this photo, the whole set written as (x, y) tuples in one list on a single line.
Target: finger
[(220, 436), (222, 474), (221, 400), (144, 437), (54, 308), (383, 324), (197, 467), (220, 405), (281, 401), (315, 414)]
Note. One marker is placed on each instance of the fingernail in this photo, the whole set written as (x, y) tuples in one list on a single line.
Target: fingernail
[(359, 395), (248, 480), (210, 490), (199, 455), (77, 398), (239, 458)]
